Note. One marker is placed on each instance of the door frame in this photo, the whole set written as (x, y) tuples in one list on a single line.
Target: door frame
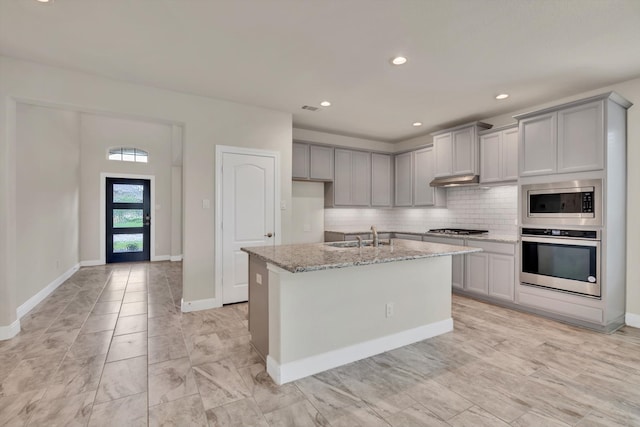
[(220, 151), (103, 212)]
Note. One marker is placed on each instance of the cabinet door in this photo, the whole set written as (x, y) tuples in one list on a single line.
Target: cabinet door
[(477, 272), (321, 163), (538, 143), (342, 181), (381, 177), (404, 179), (361, 178), (443, 151), (423, 193), (581, 138), (465, 157), (501, 276), (300, 156), (490, 157), (510, 154)]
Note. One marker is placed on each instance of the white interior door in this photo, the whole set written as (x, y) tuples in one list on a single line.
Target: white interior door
[(248, 217)]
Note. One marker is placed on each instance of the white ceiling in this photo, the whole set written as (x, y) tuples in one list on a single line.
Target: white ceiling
[(283, 54)]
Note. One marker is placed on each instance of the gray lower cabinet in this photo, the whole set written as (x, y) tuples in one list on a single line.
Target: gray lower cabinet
[(491, 272), (259, 307), (312, 162), (381, 180)]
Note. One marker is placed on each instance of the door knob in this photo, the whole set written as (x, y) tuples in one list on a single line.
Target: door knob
[(269, 235), (147, 219)]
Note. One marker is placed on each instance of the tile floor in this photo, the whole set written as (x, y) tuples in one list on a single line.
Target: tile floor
[(110, 348)]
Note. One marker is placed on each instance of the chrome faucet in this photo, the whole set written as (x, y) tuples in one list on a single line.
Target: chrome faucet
[(375, 236), (359, 241)]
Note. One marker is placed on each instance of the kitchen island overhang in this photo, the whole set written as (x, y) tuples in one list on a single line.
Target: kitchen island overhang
[(325, 306)]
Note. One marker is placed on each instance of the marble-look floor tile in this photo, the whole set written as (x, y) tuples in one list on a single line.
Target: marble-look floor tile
[(160, 310), (167, 325), (187, 411), (99, 323), (299, 414), (535, 419), (171, 380), (127, 346), (123, 378), (164, 347), (87, 345), (133, 308), (16, 410), (111, 295), (240, 413), (31, 374), (50, 343), (268, 396), (106, 307), (75, 376), (136, 286), (69, 411), (68, 322), (129, 411), (8, 361), (134, 296), (131, 324), (219, 383)]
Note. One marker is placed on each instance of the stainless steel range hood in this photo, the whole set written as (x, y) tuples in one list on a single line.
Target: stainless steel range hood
[(455, 181)]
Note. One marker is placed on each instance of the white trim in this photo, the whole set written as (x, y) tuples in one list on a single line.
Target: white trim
[(297, 369), (175, 258), (220, 150), (103, 211), (632, 320), (199, 304), (7, 332), (161, 258), (91, 263), (45, 292)]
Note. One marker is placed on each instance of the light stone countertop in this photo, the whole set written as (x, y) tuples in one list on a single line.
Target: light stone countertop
[(323, 256), (489, 237)]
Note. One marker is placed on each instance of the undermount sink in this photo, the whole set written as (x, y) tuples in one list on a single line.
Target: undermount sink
[(354, 244)]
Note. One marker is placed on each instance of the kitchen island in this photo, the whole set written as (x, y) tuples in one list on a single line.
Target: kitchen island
[(314, 307)]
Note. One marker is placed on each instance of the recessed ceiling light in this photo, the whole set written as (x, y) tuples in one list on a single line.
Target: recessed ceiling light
[(325, 104), (416, 124), (44, 1), (502, 96), (399, 60)]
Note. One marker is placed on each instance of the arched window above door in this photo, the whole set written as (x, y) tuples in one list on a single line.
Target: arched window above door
[(128, 155)]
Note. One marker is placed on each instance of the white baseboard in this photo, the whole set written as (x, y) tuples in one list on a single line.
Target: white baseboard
[(176, 258), (91, 263), (45, 292), (10, 331), (160, 258), (632, 320), (199, 304), (297, 369)]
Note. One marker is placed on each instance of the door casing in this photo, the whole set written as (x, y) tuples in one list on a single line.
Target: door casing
[(220, 150)]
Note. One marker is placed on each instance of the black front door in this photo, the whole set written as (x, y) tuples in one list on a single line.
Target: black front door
[(128, 220)]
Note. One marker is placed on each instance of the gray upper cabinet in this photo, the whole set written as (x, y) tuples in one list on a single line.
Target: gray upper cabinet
[(404, 179), (381, 180), (456, 150), (499, 155), (424, 172), (566, 139), (312, 162), (352, 181), (300, 157)]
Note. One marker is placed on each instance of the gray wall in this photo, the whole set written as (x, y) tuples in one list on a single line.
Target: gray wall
[(47, 196)]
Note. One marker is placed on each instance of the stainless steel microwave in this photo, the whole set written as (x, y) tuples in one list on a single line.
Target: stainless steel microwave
[(563, 203)]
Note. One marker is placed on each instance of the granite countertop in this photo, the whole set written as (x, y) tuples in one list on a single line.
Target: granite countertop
[(489, 237), (324, 256)]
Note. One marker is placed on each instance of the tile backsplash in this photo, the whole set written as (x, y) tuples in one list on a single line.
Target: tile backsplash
[(493, 209)]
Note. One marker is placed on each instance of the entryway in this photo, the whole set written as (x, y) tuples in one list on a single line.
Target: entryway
[(128, 220)]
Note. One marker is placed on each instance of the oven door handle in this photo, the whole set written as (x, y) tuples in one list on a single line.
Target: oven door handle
[(562, 241)]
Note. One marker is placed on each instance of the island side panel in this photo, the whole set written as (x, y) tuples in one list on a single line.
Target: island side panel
[(332, 314), (259, 306)]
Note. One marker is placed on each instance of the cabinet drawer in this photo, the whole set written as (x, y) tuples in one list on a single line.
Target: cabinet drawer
[(494, 247)]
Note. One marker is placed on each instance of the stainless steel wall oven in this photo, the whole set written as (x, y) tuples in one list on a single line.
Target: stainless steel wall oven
[(564, 260)]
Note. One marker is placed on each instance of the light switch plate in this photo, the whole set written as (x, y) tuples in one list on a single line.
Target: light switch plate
[(206, 204)]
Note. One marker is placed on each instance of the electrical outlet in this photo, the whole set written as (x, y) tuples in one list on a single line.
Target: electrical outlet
[(389, 309), (259, 278)]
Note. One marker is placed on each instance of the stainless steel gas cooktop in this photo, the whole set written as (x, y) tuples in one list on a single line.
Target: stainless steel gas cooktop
[(460, 231)]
